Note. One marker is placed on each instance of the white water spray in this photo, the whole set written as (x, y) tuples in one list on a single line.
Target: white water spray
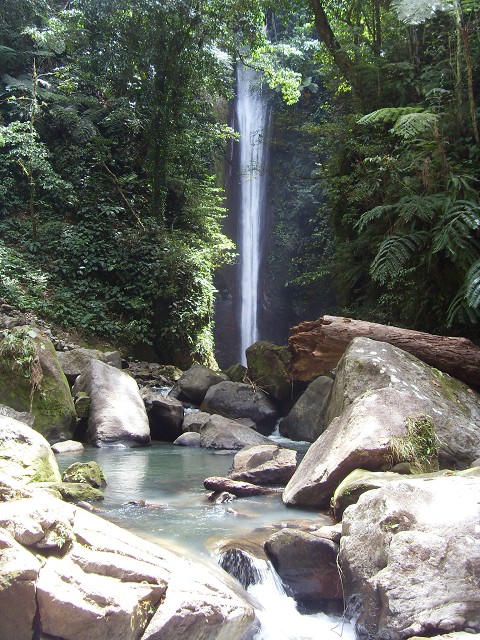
[(252, 122), (277, 612)]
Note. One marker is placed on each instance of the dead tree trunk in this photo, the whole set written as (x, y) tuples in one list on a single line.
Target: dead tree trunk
[(316, 347)]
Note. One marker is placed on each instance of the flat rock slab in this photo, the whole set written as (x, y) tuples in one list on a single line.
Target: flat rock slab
[(238, 488)]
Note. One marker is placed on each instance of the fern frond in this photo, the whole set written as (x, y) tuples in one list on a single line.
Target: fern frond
[(423, 208), (472, 286), (387, 114), (461, 311), (455, 230), (393, 254), (412, 125), (374, 214)]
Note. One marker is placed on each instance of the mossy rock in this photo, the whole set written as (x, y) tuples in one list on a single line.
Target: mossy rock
[(51, 403), (24, 454), (72, 491), (267, 368), (89, 472), (236, 372)]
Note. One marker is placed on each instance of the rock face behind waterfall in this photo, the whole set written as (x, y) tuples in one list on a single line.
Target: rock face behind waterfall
[(117, 414), (238, 400), (410, 556), (377, 388)]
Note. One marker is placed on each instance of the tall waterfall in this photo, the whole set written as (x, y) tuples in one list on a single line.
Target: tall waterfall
[(252, 123)]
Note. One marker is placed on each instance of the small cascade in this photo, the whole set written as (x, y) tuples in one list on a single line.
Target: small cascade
[(252, 123), (278, 614)]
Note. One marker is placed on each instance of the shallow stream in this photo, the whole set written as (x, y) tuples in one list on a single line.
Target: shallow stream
[(178, 514)]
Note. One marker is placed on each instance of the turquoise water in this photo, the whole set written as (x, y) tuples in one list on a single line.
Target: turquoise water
[(178, 512)]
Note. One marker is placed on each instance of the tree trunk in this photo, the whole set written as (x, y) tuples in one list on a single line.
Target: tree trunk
[(316, 347)]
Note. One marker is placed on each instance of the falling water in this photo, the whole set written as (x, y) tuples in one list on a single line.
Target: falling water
[(252, 122), (277, 613)]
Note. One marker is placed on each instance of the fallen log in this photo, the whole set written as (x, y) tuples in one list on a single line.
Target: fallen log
[(316, 347)]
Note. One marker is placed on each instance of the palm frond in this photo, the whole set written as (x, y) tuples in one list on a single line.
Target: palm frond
[(394, 252)]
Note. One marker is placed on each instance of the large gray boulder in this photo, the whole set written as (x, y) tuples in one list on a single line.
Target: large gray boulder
[(222, 433), (66, 573), (238, 400), (165, 415), (307, 565), (307, 418), (194, 383), (25, 455), (410, 556), (22, 416), (49, 399), (266, 464), (75, 361), (368, 365), (359, 439), (117, 415)]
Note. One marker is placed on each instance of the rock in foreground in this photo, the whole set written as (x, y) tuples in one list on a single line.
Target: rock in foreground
[(410, 554)]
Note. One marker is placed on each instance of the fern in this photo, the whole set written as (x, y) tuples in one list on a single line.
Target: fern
[(472, 286), (387, 114), (374, 214), (412, 125), (394, 252), (455, 231)]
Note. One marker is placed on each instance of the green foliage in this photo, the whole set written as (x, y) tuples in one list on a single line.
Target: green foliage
[(419, 446)]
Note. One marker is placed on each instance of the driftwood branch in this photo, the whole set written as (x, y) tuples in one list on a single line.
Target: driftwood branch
[(316, 347)]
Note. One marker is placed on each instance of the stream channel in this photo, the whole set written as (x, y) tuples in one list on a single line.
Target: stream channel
[(178, 515)]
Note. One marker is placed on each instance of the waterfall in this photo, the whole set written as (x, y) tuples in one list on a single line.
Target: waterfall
[(277, 613), (252, 123)]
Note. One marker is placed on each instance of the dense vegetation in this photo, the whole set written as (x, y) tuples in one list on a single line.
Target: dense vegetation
[(112, 133)]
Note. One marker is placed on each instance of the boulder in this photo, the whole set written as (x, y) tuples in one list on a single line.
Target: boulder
[(359, 439), (410, 556), (117, 415), (51, 402), (266, 464), (82, 405), (19, 569), (165, 415), (188, 439), (22, 416), (91, 580), (267, 368), (307, 418), (75, 361), (238, 400), (89, 472), (307, 565), (455, 409), (72, 491), (67, 446), (25, 455), (195, 420), (194, 383), (359, 481), (198, 605), (236, 372), (235, 487), (222, 433)]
